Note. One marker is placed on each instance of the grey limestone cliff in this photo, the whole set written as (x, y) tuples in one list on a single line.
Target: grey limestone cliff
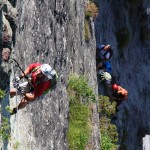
[(125, 25), (51, 32)]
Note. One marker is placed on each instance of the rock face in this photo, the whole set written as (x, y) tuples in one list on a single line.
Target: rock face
[(51, 32), (125, 25)]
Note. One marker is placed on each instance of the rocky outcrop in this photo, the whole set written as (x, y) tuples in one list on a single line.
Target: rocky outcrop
[(125, 26), (52, 32)]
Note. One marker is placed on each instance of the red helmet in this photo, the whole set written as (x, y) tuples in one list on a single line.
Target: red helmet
[(115, 87)]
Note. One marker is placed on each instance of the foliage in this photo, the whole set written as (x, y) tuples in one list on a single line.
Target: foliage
[(79, 85), (16, 145), (5, 129), (109, 136), (105, 107), (106, 143), (8, 109), (87, 33), (2, 94), (91, 10), (5, 126), (80, 96), (79, 130), (123, 37)]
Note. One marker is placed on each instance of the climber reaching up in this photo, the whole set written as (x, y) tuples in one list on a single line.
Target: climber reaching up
[(118, 94), (43, 77), (104, 52)]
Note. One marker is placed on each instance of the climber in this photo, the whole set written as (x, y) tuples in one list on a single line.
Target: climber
[(104, 52), (43, 77), (105, 67), (118, 95)]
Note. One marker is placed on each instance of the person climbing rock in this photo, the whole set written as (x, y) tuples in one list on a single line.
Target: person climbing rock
[(104, 52), (43, 77), (105, 67), (118, 95)]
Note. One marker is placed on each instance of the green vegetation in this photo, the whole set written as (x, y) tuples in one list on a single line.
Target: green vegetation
[(87, 33), (5, 125), (2, 93), (16, 145), (79, 86), (91, 10), (109, 135), (80, 96), (5, 129), (123, 38)]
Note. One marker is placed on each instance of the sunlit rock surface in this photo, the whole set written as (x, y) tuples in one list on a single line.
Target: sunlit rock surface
[(51, 32)]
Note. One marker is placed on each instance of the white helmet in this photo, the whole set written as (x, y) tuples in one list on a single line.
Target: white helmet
[(48, 71)]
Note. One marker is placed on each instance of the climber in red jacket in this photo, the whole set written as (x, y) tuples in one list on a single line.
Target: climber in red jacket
[(118, 94), (41, 80)]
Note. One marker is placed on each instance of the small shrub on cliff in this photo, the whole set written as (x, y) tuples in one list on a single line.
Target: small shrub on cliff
[(5, 125), (16, 145), (109, 135), (80, 96), (5, 129), (105, 107), (91, 10), (2, 93), (79, 85)]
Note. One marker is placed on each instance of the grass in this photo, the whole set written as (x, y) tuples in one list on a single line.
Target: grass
[(79, 129), (80, 97), (109, 135)]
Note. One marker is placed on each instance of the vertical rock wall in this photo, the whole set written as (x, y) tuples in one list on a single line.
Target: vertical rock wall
[(51, 32), (129, 20)]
